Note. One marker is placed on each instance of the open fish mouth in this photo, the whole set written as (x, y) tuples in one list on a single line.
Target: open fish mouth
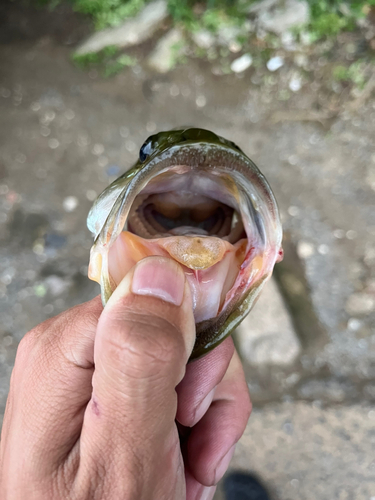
[(198, 199)]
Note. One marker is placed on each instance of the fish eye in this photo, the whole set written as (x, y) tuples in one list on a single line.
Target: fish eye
[(145, 150)]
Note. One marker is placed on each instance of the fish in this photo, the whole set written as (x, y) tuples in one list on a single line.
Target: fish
[(195, 197)]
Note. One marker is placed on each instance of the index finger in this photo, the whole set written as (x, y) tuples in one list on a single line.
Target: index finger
[(50, 387)]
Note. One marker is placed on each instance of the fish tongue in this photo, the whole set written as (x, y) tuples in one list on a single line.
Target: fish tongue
[(206, 261), (195, 252)]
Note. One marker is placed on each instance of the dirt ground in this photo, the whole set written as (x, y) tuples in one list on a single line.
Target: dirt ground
[(65, 134)]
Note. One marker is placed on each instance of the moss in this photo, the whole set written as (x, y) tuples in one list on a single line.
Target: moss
[(355, 73), (95, 58)]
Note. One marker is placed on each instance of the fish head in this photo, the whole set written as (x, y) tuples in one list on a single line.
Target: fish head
[(197, 198)]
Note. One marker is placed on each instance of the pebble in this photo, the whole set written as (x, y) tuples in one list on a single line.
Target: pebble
[(305, 249), (204, 39), (286, 15), (163, 58), (241, 64), (323, 249), (354, 324), (131, 32), (295, 83), (275, 63), (201, 101), (360, 303), (70, 203), (53, 143)]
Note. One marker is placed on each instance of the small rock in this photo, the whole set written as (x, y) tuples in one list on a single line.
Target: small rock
[(354, 324), (267, 336), (163, 57), (131, 32), (360, 303), (275, 63), (305, 249), (204, 39), (70, 203), (262, 6), (241, 64), (284, 15), (295, 83)]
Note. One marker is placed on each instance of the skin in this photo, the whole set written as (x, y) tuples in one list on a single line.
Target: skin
[(103, 406)]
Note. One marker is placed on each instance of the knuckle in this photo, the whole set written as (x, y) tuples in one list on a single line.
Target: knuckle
[(145, 344), (26, 345)]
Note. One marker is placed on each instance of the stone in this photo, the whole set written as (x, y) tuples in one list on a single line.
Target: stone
[(275, 63), (204, 39), (295, 84), (267, 336), (241, 64), (305, 249), (131, 32), (262, 6), (360, 303), (163, 58), (70, 203), (283, 16)]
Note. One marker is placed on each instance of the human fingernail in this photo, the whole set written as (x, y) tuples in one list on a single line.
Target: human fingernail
[(159, 277), (223, 464)]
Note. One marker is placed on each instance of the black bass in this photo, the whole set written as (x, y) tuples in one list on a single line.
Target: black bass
[(197, 198)]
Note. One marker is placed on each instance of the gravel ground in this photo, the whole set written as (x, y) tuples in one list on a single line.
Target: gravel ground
[(65, 134)]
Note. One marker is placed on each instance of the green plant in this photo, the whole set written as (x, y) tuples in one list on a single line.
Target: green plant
[(86, 60), (114, 67), (355, 73), (330, 17), (108, 12)]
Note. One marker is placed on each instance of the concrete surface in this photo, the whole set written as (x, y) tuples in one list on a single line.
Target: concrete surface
[(267, 335), (304, 452)]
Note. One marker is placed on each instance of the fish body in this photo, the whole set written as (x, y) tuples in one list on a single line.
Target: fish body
[(197, 198)]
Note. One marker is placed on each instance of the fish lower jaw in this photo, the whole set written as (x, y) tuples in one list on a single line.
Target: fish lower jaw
[(211, 265)]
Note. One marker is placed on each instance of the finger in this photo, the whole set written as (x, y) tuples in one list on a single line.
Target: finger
[(196, 390), (50, 387), (196, 490), (144, 339), (211, 443)]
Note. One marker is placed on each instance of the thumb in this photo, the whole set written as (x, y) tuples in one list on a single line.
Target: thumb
[(144, 338)]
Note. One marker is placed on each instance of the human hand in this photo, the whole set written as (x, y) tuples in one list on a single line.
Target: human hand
[(95, 395)]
